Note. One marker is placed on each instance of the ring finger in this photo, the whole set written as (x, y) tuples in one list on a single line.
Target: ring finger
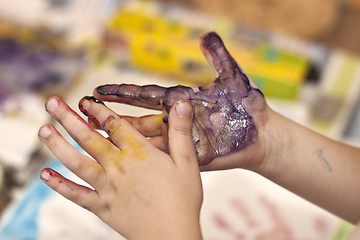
[(84, 167), (89, 139)]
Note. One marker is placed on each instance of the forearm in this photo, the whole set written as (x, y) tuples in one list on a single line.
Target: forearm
[(319, 169)]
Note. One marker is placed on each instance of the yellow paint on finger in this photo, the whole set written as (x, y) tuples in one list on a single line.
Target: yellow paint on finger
[(100, 147), (135, 149), (104, 149), (95, 143), (159, 119), (114, 125)]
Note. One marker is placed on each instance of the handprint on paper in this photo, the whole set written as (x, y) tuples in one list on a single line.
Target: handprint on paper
[(268, 223), (279, 229)]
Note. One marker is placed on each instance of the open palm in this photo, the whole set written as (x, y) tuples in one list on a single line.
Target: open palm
[(227, 112)]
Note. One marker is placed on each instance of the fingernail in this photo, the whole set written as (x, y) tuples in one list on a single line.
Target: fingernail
[(45, 132), (45, 175), (183, 108), (93, 99), (85, 104), (52, 104), (100, 90), (106, 89)]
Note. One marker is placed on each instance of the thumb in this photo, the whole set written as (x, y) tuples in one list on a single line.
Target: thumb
[(181, 144)]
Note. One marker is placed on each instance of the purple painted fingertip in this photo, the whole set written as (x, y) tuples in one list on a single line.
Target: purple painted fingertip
[(108, 89)]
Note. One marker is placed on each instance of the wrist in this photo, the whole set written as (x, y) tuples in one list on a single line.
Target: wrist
[(181, 227), (276, 141)]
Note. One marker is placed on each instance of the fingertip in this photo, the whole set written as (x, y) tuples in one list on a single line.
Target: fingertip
[(101, 92), (108, 89), (180, 132), (51, 104), (85, 102), (95, 92), (45, 131), (183, 109), (45, 174), (180, 117)]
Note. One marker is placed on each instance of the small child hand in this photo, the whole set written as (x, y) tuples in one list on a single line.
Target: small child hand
[(137, 189), (230, 114)]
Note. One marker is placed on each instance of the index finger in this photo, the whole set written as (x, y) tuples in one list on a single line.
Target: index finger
[(147, 96)]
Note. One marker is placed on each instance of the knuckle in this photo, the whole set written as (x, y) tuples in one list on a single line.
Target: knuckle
[(78, 164), (152, 94), (75, 197), (112, 124), (106, 209), (85, 138)]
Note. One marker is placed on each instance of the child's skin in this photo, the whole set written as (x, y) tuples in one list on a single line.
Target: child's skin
[(319, 169), (143, 192), (140, 191)]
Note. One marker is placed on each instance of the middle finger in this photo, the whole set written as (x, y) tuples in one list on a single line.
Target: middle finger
[(149, 125)]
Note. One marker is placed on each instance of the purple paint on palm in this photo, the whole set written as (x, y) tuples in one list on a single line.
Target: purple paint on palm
[(222, 120)]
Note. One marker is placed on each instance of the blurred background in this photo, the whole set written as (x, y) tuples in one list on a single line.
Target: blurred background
[(303, 55)]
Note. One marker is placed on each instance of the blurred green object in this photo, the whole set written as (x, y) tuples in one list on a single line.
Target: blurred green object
[(163, 40), (343, 230)]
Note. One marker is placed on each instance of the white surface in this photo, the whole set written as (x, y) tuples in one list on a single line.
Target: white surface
[(20, 120), (255, 208)]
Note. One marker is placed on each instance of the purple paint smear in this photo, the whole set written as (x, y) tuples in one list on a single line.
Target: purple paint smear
[(222, 123), (34, 68)]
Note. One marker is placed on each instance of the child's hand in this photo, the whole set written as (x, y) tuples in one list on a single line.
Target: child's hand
[(230, 114), (137, 189)]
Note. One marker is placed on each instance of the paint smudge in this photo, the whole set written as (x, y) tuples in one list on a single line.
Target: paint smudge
[(322, 227), (222, 224), (324, 163), (135, 150), (87, 208), (242, 210), (253, 229), (222, 120), (84, 111), (280, 229)]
